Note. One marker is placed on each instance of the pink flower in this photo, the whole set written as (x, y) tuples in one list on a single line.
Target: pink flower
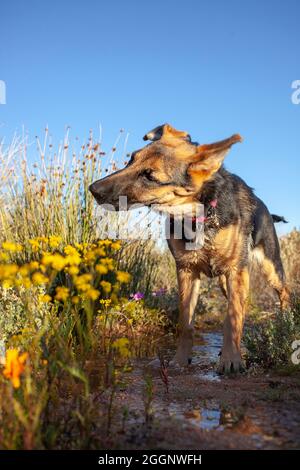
[(214, 203), (137, 296)]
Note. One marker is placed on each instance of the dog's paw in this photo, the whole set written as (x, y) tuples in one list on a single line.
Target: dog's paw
[(230, 363)]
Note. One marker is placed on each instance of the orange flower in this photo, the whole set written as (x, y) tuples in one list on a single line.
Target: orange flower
[(14, 366)]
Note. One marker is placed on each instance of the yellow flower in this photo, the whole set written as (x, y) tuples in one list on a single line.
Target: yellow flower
[(109, 262), (54, 241), (56, 261), (24, 270), (121, 345), (45, 298), (4, 256), (73, 257), (92, 253), (73, 270), (106, 242), (83, 282), (84, 286), (101, 269), (62, 293), (35, 244), (92, 294), (116, 246), (90, 256), (42, 239), (39, 278), (14, 366), (10, 246), (75, 299), (106, 286), (105, 302), (25, 282), (7, 270), (7, 283), (122, 276), (47, 259), (33, 265), (100, 251), (8, 274)]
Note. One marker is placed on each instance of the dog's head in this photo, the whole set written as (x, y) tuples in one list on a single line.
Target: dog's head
[(169, 171)]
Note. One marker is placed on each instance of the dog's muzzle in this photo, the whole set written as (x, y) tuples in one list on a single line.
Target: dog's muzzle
[(96, 192)]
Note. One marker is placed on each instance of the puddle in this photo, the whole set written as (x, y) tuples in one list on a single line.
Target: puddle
[(210, 375), (204, 418), (207, 348), (216, 419), (206, 355)]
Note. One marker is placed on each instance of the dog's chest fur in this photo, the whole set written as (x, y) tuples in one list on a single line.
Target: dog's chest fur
[(227, 233), (222, 251)]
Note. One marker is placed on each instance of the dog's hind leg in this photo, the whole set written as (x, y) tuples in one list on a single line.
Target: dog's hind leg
[(237, 293), (276, 279), (266, 251), (273, 270), (189, 285)]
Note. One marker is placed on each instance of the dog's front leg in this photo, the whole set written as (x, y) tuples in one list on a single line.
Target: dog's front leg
[(237, 293), (188, 284)]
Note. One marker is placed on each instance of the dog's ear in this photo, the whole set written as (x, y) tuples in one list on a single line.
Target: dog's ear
[(155, 134), (165, 132), (208, 158)]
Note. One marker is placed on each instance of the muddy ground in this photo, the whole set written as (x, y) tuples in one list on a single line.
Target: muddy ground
[(194, 408)]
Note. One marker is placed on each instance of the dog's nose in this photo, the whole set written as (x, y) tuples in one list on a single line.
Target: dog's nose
[(93, 189)]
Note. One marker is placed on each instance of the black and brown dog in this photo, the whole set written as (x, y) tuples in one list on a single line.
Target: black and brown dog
[(172, 171)]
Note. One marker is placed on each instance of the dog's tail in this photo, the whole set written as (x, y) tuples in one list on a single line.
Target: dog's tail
[(278, 218)]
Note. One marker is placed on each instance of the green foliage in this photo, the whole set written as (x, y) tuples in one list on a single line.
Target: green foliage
[(12, 314), (269, 343)]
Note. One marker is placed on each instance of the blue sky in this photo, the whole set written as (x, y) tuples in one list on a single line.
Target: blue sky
[(211, 67)]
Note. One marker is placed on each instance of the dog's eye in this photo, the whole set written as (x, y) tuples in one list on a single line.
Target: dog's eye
[(148, 174)]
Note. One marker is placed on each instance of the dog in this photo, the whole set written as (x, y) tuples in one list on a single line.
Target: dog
[(172, 171)]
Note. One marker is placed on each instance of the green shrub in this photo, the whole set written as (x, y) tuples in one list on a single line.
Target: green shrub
[(269, 343)]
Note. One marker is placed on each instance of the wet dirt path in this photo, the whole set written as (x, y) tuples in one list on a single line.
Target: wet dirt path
[(196, 409)]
